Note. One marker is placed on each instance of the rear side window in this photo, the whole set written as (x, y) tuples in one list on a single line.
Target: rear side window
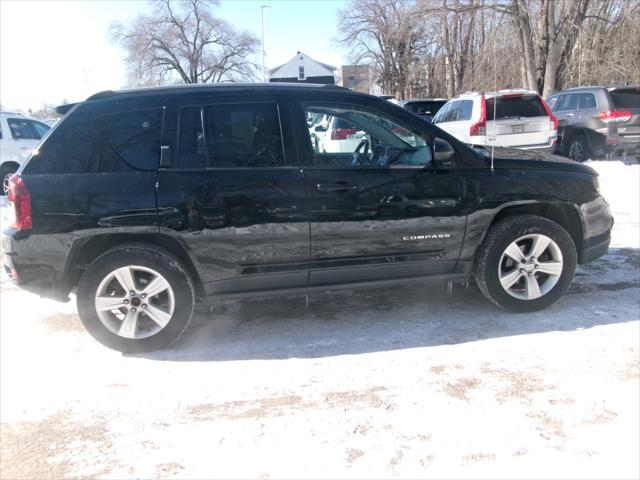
[(568, 102), (586, 101), (466, 109), (230, 136), (191, 146), (521, 106), (625, 98), (452, 113), (243, 135), (133, 136)]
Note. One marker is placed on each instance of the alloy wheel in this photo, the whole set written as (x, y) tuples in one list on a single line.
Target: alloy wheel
[(134, 302), (576, 151), (530, 267)]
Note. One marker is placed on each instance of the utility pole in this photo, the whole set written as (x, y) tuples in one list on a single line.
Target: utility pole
[(264, 71)]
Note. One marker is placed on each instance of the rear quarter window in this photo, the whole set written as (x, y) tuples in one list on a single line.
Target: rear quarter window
[(524, 106), (71, 148), (625, 98)]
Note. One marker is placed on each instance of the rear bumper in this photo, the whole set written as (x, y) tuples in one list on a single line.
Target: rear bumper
[(35, 276), (631, 145)]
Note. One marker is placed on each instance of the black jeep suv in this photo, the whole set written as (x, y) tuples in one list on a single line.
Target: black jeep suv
[(144, 201)]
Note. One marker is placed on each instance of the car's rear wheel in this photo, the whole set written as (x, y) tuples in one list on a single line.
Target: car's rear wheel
[(578, 149), (526, 263), (135, 299)]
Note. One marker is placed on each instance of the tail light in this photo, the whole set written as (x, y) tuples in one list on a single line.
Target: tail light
[(19, 203), (552, 117), (342, 133), (480, 127), (615, 116)]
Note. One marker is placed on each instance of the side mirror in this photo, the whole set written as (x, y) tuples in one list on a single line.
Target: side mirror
[(320, 128), (443, 153)]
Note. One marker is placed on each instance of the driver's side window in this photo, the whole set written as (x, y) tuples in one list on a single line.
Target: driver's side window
[(348, 136)]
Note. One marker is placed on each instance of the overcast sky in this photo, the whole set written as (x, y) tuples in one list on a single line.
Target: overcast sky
[(52, 50)]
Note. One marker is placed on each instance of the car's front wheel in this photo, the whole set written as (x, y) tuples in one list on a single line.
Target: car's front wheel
[(525, 263), (135, 299)]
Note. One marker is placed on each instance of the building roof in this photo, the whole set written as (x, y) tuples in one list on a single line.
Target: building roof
[(312, 68)]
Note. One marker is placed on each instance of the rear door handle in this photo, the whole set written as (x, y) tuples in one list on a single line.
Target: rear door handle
[(569, 115), (335, 187)]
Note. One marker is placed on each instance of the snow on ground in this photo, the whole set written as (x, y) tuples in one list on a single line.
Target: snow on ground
[(402, 382)]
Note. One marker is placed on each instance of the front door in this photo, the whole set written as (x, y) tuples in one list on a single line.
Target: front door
[(382, 210), (234, 196)]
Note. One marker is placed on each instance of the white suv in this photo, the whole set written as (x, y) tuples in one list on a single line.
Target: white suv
[(522, 119), (19, 135)]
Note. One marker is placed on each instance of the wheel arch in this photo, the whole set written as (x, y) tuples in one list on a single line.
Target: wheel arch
[(86, 251), (564, 214), (594, 139), (11, 163)]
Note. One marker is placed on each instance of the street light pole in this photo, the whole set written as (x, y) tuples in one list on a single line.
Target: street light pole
[(264, 71)]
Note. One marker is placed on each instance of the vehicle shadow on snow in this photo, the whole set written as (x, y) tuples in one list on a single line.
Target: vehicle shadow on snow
[(604, 292)]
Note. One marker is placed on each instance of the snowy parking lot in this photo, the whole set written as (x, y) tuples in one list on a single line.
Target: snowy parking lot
[(402, 382)]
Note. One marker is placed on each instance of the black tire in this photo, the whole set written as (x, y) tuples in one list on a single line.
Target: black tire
[(503, 234), (5, 172), (578, 149), (159, 261)]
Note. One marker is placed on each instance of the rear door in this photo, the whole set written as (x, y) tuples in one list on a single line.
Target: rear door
[(234, 195), (380, 214), (520, 121)]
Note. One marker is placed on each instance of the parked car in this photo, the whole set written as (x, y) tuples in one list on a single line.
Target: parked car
[(339, 135), (522, 119), (426, 108), (144, 201), (597, 120), (19, 135)]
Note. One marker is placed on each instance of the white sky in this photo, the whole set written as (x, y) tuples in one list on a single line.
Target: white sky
[(54, 50)]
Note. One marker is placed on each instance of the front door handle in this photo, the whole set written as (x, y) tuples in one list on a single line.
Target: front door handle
[(335, 187)]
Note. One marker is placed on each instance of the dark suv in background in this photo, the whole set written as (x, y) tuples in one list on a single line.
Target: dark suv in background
[(597, 121), (425, 108), (143, 201)]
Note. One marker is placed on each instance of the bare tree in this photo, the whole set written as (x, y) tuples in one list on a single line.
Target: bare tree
[(183, 40), (387, 34)]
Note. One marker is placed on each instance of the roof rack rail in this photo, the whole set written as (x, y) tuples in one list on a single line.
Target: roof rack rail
[(103, 94)]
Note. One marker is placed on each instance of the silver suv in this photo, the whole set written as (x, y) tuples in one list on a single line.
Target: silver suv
[(597, 121)]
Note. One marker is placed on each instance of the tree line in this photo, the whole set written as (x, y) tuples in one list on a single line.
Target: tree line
[(416, 48), (440, 48)]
